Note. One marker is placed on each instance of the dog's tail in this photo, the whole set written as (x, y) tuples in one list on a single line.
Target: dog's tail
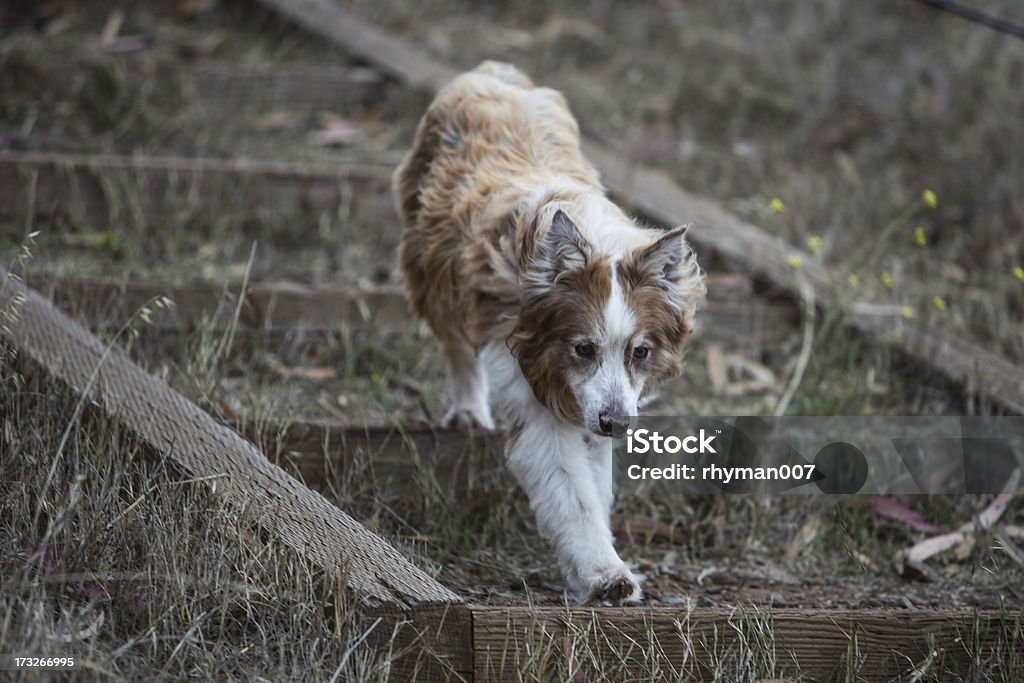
[(506, 73)]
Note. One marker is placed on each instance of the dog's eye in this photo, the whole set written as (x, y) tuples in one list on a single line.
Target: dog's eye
[(641, 352), (585, 350)]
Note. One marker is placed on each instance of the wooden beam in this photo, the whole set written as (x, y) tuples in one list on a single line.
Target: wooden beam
[(100, 190), (223, 91), (395, 57), (189, 438), (657, 196), (266, 306), (414, 462), (691, 643), (730, 313), (427, 643), (225, 94)]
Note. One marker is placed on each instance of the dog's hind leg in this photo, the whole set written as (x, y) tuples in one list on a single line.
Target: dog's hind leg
[(470, 404), (466, 377)]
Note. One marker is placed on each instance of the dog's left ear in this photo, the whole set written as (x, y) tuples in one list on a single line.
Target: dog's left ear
[(668, 264)]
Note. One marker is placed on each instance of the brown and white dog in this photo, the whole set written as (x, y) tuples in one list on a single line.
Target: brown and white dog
[(543, 292)]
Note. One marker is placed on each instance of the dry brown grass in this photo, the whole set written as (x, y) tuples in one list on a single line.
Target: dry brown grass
[(112, 555)]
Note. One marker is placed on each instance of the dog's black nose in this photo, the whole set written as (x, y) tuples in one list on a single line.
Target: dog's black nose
[(611, 424)]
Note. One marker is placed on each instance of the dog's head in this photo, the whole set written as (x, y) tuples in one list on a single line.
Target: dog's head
[(595, 334)]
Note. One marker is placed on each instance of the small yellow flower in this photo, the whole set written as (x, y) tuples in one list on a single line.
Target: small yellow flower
[(907, 312), (794, 262), (897, 336), (776, 205), (814, 244), (939, 303), (930, 199), (853, 280), (886, 280), (1018, 273), (919, 237)]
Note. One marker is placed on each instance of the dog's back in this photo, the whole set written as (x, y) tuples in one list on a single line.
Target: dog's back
[(489, 139), (494, 125)]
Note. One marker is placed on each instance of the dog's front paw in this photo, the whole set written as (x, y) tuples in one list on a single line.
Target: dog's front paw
[(618, 587), (468, 418)]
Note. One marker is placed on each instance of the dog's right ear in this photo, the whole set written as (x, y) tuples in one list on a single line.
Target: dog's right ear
[(562, 249)]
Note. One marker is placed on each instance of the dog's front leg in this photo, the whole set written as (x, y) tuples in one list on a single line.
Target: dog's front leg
[(599, 458), (552, 462)]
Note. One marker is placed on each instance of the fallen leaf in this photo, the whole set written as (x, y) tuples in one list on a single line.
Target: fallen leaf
[(865, 561), (989, 516), (705, 574), (558, 26), (112, 28), (965, 547), (87, 632), (123, 44), (59, 24), (717, 373), (338, 130), (849, 170), (228, 409), (891, 508), (808, 532), (668, 562), (274, 120), (314, 374), (933, 546), (747, 376), (915, 570)]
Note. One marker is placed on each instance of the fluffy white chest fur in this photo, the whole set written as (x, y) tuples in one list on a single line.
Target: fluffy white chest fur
[(544, 297)]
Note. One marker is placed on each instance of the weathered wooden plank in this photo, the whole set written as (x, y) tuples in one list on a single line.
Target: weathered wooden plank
[(223, 93), (101, 190), (265, 306), (680, 643), (225, 90), (416, 462), (981, 371), (428, 643), (395, 57), (188, 437), (657, 196), (730, 314)]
